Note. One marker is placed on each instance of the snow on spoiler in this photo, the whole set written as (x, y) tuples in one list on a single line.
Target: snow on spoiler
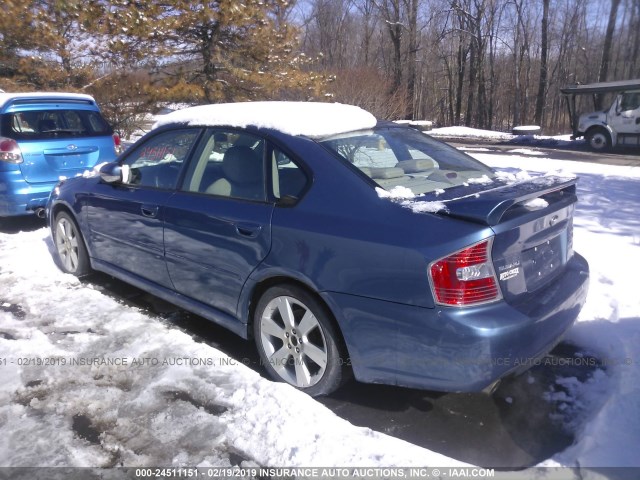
[(488, 207)]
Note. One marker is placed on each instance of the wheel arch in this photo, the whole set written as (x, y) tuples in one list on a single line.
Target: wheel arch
[(61, 207), (604, 128), (84, 265), (261, 286)]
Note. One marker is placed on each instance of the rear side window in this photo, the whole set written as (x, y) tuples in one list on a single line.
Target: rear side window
[(52, 124), (288, 178), (231, 165)]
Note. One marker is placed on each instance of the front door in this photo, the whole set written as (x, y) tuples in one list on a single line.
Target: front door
[(626, 118), (126, 218)]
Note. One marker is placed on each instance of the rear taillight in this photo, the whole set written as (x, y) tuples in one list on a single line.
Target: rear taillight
[(465, 277), (10, 151), (117, 144)]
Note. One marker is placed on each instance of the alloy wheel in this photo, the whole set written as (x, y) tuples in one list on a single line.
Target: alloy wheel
[(67, 244), (293, 341)]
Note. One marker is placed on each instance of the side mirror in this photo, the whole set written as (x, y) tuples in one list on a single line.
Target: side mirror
[(111, 173)]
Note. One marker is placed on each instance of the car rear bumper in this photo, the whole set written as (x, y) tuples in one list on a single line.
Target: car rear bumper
[(17, 197), (457, 349)]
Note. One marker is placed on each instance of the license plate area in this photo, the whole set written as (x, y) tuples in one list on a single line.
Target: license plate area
[(542, 262)]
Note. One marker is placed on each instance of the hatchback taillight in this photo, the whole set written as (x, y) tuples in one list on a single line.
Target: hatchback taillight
[(465, 277), (117, 144), (10, 151)]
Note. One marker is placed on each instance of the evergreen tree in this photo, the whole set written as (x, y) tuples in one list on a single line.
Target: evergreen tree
[(210, 51)]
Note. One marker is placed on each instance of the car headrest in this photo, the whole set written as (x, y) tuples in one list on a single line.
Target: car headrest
[(418, 165), (240, 164)]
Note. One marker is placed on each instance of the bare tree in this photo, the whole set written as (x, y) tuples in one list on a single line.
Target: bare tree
[(544, 50), (608, 39), (391, 12)]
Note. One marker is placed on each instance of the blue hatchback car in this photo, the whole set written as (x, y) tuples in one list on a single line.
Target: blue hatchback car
[(341, 244), (43, 137)]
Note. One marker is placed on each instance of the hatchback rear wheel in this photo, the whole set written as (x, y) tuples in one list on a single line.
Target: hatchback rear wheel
[(297, 342), (70, 247)]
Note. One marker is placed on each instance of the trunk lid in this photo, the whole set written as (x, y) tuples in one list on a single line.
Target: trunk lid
[(65, 157), (533, 225)]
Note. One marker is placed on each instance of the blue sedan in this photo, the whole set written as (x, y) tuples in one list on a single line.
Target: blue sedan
[(340, 244)]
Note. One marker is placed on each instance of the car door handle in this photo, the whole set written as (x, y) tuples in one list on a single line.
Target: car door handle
[(250, 230), (150, 211)]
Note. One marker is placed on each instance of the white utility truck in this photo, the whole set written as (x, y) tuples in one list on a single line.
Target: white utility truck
[(619, 124)]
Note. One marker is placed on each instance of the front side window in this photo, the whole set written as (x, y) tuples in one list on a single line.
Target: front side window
[(231, 164), (403, 157), (630, 101), (157, 162), (54, 124)]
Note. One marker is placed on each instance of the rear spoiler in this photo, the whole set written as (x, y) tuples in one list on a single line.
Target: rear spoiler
[(488, 207)]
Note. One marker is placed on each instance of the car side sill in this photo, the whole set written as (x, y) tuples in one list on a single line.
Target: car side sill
[(210, 313)]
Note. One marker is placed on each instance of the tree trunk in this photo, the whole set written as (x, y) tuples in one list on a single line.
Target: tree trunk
[(411, 58), (606, 49), (209, 67), (542, 80)]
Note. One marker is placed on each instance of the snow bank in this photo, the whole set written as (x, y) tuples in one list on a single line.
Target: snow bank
[(491, 135), (469, 132)]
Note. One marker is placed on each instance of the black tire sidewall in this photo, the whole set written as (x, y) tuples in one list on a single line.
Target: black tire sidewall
[(84, 266), (334, 373)]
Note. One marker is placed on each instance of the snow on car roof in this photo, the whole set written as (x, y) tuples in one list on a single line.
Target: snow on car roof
[(8, 96), (312, 119)]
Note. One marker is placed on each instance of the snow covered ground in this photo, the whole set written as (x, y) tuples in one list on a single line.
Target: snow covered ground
[(466, 133), (607, 233), (86, 380)]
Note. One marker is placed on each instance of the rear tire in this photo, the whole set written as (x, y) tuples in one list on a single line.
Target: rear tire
[(598, 139), (70, 247), (297, 341)]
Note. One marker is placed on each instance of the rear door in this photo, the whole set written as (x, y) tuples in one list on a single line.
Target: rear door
[(218, 226), (59, 139), (126, 219)]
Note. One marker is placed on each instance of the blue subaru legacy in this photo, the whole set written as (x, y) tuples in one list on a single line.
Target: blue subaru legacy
[(340, 244), (43, 137)]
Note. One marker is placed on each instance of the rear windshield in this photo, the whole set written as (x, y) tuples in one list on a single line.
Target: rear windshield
[(404, 157), (51, 124)]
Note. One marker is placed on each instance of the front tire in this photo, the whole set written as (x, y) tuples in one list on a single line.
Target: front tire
[(70, 247), (599, 139), (297, 342)]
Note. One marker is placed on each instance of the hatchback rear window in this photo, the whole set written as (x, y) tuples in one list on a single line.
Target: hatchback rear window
[(403, 157), (52, 124)]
